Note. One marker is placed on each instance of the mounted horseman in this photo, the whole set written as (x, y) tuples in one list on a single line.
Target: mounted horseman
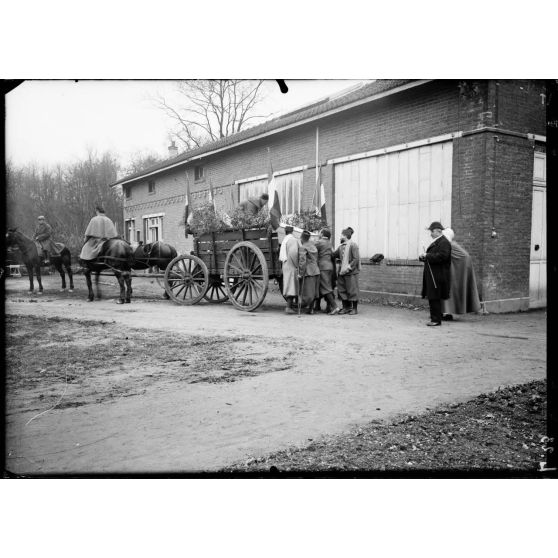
[(43, 237), (104, 249), (100, 229)]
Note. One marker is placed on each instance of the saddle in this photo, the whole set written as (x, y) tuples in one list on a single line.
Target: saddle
[(54, 249)]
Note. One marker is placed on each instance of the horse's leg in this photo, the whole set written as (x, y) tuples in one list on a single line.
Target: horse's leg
[(122, 287), (38, 273), (128, 280), (98, 285), (30, 272), (87, 273), (68, 266), (60, 269)]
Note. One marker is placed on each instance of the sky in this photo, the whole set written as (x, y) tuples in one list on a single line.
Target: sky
[(50, 122)]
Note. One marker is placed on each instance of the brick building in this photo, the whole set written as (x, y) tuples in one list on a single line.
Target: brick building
[(393, 156)]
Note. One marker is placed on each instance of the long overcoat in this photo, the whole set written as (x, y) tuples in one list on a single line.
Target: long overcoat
[(310, 272), (326, 263), (290, 267), (100, 228), (43, 235), (464, 295), (347, 283), (436, 273)]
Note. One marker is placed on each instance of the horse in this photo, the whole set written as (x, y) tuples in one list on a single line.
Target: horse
[(32, 260), (116, 254), (156, 255)]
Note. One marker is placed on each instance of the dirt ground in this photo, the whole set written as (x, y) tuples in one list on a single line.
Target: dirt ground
[(155, 387)]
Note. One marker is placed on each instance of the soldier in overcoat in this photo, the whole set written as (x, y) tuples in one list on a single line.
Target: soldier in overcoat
[(288, 255), (436, 273), (326, 263), (252, 206), (43, 234), (347, 279), (308, 273), (99, 229)]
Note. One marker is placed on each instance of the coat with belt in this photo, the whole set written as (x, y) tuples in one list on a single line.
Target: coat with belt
[(437, 275), (43, 235)]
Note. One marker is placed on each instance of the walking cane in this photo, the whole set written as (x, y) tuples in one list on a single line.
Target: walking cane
[(430, 269)]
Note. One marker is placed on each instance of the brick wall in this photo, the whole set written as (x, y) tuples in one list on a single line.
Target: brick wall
[(492, 181)]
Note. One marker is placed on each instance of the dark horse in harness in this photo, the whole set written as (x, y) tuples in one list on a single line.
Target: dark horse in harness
[(156, 255), (32, 259), (117, 255)]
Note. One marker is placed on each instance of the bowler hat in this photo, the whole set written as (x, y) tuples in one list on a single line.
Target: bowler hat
[(436, 225)]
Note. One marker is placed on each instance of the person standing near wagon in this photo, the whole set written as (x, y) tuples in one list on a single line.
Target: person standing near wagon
[(100, 229), (288, 255), (327, 272), (42, 235), (308, 273), (347, 280), (436, 274)]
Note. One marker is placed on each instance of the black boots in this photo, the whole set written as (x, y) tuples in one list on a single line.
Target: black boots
[(349, 307)]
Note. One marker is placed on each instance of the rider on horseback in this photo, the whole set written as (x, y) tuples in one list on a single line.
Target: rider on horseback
[(100, 228), (42, 236)]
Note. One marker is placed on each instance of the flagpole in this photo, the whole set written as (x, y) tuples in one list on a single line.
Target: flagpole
[(316, 196), (188, 205)]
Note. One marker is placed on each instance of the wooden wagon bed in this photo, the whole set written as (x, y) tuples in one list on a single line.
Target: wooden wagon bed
[(233, 265)]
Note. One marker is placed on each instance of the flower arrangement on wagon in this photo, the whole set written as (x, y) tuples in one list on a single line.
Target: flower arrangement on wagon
[(307, 219), (207, 219)]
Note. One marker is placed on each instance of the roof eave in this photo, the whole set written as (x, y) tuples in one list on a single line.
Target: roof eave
[(342, 108)]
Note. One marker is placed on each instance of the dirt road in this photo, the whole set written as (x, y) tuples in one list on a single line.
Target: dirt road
[(157, 387)]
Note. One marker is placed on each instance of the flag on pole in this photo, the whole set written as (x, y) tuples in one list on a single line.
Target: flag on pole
[(323, 205), (187, 208), (274, 205), (211, 195)]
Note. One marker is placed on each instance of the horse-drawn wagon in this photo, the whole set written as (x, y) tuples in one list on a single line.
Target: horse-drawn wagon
[(234, 264)]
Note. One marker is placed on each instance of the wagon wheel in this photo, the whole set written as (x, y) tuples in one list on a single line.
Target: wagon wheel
[(246, 276), (216, 291), (186, 279)]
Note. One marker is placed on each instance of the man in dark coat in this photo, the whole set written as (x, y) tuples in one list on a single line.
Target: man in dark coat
[(436, 274), (42, 236)]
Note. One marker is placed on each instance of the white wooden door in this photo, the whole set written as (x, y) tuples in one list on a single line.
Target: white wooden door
[(537, 271), (390, 199)]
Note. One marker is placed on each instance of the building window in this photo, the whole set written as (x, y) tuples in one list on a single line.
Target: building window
[(128, 192), (151, 187), (252, 189), (153, 228), (289, 189), (138, 236), (198, 172), (129, 229)]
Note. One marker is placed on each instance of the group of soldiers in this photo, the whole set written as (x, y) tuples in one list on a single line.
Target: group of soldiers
[(310, 272)]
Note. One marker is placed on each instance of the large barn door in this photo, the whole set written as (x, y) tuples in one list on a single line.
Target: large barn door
[(537, 268), (390, 199), (537, 271)]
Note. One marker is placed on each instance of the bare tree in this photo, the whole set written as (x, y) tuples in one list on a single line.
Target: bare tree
[(210, 109)]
